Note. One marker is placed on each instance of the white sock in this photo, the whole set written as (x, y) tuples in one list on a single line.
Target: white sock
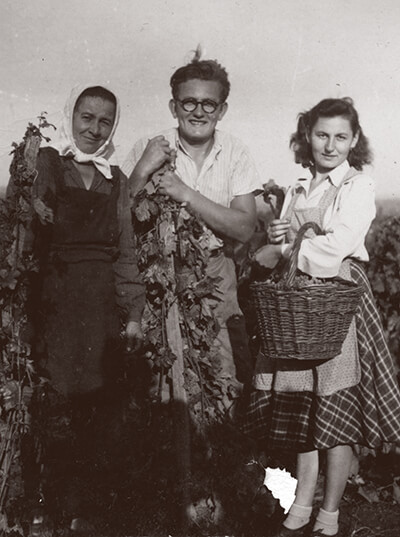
[(298, 516), (327, 522)]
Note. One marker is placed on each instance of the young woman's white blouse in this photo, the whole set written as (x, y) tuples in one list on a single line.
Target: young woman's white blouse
[(346, 221)]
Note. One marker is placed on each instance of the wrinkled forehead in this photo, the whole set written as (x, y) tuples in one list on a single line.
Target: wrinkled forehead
[(97, 103)]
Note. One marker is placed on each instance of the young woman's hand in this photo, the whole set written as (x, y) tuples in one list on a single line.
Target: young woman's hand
[(277, 230)]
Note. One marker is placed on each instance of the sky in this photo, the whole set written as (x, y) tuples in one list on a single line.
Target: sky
[(282, 58)]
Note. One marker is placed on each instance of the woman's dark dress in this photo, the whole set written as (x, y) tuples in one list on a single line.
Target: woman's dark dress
[(88, 275), (80, 318)]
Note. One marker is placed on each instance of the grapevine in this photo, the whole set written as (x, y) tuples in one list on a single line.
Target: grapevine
[(248, 269), (274, 196), (17, 376), (173, 253), (384, 274)]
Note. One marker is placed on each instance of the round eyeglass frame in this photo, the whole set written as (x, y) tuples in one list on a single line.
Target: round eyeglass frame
[(189, 105)]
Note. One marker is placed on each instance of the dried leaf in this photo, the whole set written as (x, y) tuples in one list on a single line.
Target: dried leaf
[(142, 211), (396, 491), (369, 492)]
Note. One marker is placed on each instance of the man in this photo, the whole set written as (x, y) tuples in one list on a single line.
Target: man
[(214, 175)]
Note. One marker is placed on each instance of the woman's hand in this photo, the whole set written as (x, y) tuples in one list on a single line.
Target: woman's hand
[(268, 256), (133, 336), (46, 215), (277, 230)]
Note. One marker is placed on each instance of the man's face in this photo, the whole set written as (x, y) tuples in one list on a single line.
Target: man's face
[(197, 127)]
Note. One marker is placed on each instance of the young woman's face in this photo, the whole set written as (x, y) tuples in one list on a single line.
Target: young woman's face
[(92, 123), (331, 140)]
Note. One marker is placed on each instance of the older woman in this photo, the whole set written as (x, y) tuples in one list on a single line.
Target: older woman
[(353, 398), (88, 284)]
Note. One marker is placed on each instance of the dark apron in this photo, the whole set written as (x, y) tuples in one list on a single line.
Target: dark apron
[(79, 343)]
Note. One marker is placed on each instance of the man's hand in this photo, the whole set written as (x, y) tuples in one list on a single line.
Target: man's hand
[(133, 336), (157, 153), (172, 185)]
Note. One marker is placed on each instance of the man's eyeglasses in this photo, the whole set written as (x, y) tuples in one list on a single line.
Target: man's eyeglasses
[(190, 105)]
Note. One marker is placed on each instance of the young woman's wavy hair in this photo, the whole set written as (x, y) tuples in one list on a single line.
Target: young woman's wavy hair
[(359, 156), (202, 70)]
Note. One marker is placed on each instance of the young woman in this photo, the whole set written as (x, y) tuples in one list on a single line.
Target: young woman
[(89, 283), (353, 398)]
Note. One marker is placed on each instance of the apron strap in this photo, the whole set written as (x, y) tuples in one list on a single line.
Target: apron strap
[(327, 199), (329, 196)]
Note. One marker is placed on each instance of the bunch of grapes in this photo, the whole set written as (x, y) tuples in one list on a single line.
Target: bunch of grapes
[(302, 280)]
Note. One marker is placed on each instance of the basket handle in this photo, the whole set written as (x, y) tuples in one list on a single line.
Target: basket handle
[(294, 254)]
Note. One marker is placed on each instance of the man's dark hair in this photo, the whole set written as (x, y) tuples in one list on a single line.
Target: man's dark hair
[(202, 70)]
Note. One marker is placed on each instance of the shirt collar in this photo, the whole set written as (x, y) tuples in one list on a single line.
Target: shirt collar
[(303, 182), (335, 177), (216, 148)]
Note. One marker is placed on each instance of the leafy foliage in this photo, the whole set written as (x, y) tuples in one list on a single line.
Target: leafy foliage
[(16, 367), (173, 253), (269, 205), (384, 275), (274, 196)]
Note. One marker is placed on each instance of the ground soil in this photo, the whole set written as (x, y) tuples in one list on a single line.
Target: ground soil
[(226, 486)]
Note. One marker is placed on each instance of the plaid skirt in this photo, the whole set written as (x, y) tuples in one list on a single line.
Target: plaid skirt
[(366, 414)]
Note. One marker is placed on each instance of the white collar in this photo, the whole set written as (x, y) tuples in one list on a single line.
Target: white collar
[(335, 176), (216, 147)]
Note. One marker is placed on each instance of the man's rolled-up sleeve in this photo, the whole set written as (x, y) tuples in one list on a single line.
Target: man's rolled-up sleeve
[(133, 157), (245, 177)]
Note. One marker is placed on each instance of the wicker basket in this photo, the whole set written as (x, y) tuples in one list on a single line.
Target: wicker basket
[(308, 323)]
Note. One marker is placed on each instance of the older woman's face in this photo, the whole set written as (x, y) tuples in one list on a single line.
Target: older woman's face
[(92, 123), (331, 140)]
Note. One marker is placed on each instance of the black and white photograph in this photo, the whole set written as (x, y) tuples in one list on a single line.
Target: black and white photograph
[(199, 268)]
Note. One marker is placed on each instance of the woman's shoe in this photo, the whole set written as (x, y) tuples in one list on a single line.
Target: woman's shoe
[(283, 531), (40, 527), (318, 533), (81, 526)]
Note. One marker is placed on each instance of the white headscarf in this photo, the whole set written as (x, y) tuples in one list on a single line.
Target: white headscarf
[(66, 145)]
